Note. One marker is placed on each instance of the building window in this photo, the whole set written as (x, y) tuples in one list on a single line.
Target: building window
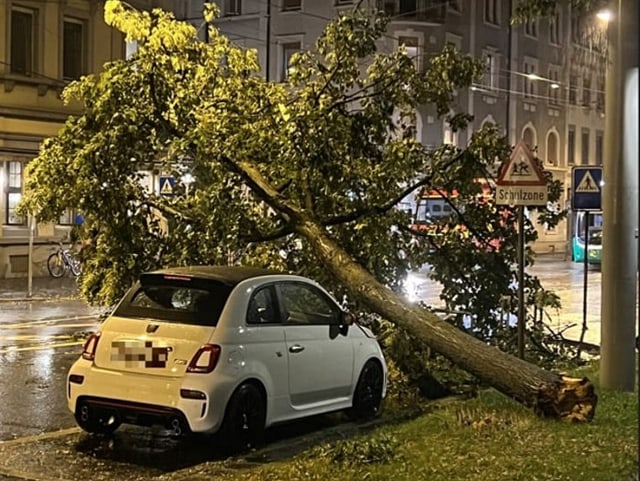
[(291, 4), (22, 41), (492, 12), (288, 49), (530, 89), (529, 138), (531, 28), (233, 7), (599, 147), (554, 29), (571, 145), (552, 148), (72, 49), (554, 87), (585, 147), (449, 137), (576, 24), (586, 90), (412, 46), (14, 192), (600, 94), (573, 89), (491, 74)]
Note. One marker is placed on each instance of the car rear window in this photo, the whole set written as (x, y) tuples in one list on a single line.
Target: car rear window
[(176, 299)]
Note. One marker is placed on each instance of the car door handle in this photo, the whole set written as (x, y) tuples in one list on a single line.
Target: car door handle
[(296, 348)]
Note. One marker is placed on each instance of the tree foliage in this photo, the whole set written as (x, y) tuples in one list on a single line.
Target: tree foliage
[(336, 140)]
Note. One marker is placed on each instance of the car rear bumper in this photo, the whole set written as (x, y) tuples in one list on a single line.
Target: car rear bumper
[(146, 399)]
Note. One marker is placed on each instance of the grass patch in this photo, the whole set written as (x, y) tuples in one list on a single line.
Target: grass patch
[(487, 438)]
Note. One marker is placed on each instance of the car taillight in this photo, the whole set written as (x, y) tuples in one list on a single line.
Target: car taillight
[(205, 359), (89, 349)]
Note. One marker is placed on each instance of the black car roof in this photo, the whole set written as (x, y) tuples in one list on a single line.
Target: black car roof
[(230, 275)]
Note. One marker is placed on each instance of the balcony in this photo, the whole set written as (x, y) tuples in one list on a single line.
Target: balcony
[(430, 11)]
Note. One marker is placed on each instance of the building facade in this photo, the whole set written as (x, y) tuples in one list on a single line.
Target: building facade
[(45, 44), (544, 81)]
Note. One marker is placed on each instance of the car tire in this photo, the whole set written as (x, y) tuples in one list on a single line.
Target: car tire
[(367, 397), (244, 420), (96, 423)]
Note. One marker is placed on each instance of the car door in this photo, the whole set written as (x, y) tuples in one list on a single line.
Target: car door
[(320, 357)]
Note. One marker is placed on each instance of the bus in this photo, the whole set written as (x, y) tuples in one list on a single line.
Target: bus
[(594, 254)]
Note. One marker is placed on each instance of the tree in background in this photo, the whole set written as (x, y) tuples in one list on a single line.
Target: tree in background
[(302, 176)]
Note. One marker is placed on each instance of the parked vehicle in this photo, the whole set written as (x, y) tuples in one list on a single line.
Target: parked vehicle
[(594, 246), (63, 260), (231, 350)]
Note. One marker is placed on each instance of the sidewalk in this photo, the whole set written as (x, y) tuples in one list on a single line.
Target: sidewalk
[(42, 289)]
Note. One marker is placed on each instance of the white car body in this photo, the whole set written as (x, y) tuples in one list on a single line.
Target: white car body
[(143, 370)]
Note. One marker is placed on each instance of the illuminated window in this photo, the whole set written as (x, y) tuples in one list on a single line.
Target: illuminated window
[(14, 193)]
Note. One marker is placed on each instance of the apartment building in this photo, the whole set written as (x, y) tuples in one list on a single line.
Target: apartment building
[(46, 44), (544, 82)]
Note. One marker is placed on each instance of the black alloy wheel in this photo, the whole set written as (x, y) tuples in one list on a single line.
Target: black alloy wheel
[(367, 397), (244, 420)]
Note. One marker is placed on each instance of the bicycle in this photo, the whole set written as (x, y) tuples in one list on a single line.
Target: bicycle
[(62, 260)]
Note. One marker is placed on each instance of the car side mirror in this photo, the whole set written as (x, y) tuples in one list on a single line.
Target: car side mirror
[(348, 319)]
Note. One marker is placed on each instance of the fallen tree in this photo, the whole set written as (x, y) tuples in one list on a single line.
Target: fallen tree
[(303, 176), (547, 393)]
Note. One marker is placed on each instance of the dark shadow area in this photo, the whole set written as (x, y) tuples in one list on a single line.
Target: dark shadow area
[(154, 451)]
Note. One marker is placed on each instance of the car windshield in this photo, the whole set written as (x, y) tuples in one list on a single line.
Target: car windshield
[(176, 299)]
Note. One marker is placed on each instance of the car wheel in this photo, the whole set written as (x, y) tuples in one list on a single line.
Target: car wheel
[(244, 419), (367, 397), (95, 422)]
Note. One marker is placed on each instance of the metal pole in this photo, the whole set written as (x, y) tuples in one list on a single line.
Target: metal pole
[(585, 284), (521, 310), (30, 258), (620, 202)]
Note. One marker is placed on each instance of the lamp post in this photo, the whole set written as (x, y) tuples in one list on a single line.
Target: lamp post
[(620, 201)]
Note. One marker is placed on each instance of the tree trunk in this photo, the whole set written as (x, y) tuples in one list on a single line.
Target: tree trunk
[(547, 393)]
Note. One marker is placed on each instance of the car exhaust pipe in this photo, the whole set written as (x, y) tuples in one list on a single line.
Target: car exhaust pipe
[(176, 427), (85, 413)]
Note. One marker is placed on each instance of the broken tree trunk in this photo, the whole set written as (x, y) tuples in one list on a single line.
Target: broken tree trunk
[(547, 393)]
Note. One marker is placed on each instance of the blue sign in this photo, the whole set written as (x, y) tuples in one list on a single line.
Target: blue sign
[(167, 184), (586, 188)]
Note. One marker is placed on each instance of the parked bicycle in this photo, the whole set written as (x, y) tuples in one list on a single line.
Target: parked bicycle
[(62, 260)]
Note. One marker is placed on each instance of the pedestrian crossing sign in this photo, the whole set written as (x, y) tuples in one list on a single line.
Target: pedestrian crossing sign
[(586, 188), (167, 183)]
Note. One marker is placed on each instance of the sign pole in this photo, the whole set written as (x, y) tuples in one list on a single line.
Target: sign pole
[(585, 286), (521, 310), (521, 183)]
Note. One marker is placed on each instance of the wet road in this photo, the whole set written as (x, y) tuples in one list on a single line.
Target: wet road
[(38, 343), (564, 278)]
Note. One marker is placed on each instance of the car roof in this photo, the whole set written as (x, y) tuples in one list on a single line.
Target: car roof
[(230, 275)]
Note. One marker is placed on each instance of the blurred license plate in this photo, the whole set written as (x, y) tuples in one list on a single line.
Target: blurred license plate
[(140, 353)]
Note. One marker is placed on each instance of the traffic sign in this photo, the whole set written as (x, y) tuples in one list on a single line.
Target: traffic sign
[(521, 181), (586, 188), (167, 183)]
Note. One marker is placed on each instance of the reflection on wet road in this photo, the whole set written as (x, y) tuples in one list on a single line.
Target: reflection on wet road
[(45, 334)]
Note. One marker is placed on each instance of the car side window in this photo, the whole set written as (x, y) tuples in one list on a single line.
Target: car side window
[(262, 307), (305, 304)]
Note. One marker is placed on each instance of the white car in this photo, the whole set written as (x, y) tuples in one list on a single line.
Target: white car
[(225, 349)]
